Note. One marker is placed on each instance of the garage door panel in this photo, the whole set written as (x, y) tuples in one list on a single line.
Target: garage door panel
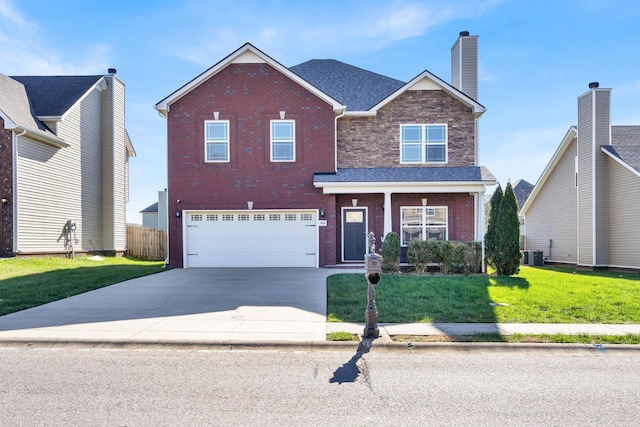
[(268, 239)]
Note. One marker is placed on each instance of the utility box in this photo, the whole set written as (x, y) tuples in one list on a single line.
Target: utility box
[(538, 260), (525, 258)]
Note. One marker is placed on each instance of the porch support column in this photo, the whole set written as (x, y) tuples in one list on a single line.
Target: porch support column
[(480, 222), (387, 214)]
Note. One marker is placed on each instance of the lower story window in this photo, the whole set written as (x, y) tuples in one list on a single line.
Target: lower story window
[(423, 223)]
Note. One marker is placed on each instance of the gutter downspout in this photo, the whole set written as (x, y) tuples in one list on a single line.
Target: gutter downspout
[(335, 130)]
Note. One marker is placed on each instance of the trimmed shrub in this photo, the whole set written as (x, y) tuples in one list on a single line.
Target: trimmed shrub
[(390, 253), (422, 252), (453, 257)]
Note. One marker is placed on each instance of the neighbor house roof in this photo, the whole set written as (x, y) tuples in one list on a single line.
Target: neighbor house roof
[(17, 112), (625, 145), (625, 148), (355, 87), (151, 208), (52, 96), (522, 189)]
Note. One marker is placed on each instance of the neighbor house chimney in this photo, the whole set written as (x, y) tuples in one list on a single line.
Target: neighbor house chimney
[(464, 65), (594, 131)]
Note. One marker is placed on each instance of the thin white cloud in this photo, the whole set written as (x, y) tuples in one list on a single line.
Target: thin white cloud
[(25, 52), (319, 30)]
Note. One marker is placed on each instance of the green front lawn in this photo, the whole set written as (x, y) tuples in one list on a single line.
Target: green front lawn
[(28, 282), (535, 295)]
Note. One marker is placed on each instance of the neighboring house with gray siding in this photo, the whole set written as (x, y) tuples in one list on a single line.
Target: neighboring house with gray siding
[(155, 215), (584, 208), (64, 152)]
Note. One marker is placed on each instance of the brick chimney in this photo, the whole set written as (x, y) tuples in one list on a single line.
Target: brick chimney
[(594, 131), (464, 65)]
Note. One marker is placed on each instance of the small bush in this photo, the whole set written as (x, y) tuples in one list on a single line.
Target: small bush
[(390, 253), (453, 257), (422, 252)]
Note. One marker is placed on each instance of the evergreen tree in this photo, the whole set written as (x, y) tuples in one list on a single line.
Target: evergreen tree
[(490, 236), (507, 235)]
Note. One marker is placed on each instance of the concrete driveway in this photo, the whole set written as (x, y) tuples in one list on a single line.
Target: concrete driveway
[(187, 305)]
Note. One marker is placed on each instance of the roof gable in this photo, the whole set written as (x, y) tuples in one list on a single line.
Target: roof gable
[(429, 81), (245, 54)]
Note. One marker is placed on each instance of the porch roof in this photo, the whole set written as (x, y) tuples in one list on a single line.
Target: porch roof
[(444, 179), (462, 174)]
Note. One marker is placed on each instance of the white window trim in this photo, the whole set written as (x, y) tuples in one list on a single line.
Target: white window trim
[(293, 140), (424, 226), (206, 143), (423, 144)]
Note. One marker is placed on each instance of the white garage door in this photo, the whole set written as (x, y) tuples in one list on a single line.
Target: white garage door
[(251, 239)]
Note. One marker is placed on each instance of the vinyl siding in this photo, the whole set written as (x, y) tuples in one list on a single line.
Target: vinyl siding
[(55, 185), (624, 205), (542, 223), (108, 166), (585, 179), (120, 167), (602, 137), (464, 66)]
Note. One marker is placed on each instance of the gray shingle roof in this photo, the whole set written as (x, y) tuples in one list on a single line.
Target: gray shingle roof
[(408, 174), (15, 104), (354, 87), (522, 189), (625, 144), (150, 208), (54, 95)]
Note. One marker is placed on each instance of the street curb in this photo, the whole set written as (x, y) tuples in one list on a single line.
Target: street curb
[(364, 346)]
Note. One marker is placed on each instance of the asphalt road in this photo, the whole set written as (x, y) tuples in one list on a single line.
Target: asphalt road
[(162, 387)]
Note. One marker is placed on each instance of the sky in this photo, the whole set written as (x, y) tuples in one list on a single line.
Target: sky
[(535, 58)]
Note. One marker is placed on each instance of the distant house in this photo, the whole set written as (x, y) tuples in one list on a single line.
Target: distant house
[(522, 189), (64, 164), (155, 215), (277, 166), (584, 208)]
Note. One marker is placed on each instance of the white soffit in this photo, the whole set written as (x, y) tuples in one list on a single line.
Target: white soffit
[(367, 188)]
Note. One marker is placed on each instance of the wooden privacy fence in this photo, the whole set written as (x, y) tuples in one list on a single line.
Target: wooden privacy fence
[(146, 243)]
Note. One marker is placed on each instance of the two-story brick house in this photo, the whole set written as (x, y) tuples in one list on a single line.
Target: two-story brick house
[(276, 166)]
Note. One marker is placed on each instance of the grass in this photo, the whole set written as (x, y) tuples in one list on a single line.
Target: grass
[(342, 336), (524, 338), (29, 282), (536, 295)]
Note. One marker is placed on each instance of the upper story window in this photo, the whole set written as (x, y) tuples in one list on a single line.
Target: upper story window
[(283, 141), (423, 143), (216, 140), (423, 223)]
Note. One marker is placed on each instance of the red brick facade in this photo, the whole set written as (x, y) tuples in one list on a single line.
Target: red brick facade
[(249, 96), (6, 191)]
